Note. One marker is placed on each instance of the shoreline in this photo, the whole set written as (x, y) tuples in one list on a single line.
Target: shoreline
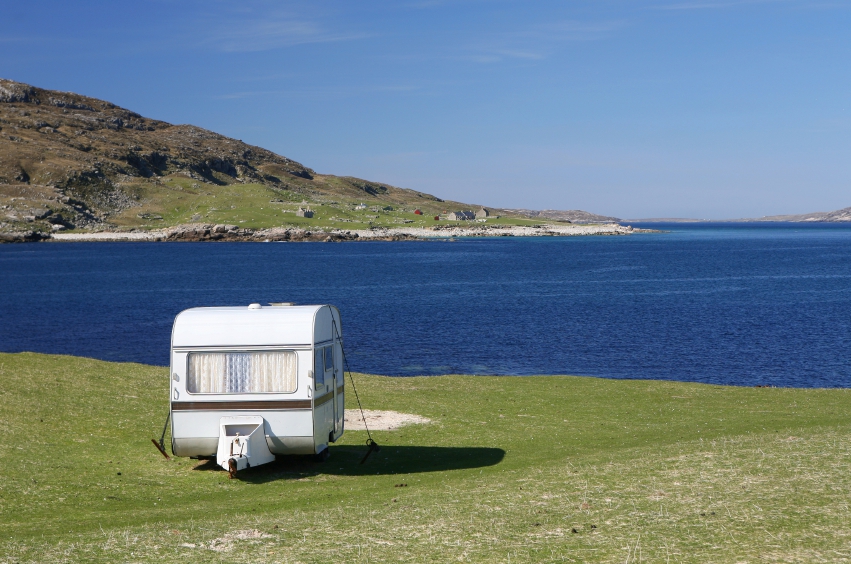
[(221, 232)]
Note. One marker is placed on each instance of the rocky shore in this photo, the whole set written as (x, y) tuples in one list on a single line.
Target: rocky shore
[(481, 230), (209, 232)]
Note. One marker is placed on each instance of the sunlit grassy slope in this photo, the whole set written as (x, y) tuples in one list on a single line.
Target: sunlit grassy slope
[(178, 199), (513, 469)]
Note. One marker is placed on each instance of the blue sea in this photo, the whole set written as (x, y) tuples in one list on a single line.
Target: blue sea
[(740, 304)]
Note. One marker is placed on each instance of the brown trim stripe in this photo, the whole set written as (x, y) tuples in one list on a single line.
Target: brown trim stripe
[(327, 397), (238, 405), (323, 399)]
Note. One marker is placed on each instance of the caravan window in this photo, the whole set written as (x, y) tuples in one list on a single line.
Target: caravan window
[(242, 372), (319, 369), (329, 358)]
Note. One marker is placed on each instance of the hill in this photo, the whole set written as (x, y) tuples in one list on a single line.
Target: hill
[(544, 469), (838, 216), (834, 216), (73, 162)]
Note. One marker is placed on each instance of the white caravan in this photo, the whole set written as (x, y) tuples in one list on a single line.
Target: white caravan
[(248, 383)]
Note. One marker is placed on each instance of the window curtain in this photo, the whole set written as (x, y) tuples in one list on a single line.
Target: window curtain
[(237, 373)]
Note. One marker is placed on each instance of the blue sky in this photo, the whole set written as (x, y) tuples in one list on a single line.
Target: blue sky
[(668, 108)]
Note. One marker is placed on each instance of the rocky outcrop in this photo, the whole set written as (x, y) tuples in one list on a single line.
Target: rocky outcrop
[(22, 236), (208, 232), (11, 91), (202, 232)]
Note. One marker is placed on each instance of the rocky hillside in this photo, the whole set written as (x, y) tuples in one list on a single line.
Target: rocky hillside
[(88, 147), (843, 215), (834, 216), (70, 161)]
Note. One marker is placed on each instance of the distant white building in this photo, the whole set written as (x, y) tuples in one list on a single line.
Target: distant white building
[(461, 215), (302, 212), (360, 206)]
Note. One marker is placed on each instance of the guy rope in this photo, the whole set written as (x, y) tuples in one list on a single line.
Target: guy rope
[(372, 446)]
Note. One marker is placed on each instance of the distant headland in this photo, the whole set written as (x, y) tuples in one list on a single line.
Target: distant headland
[(837, 216)]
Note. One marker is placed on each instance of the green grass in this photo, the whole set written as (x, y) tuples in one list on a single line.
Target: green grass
[(642, 471), (178, 199)]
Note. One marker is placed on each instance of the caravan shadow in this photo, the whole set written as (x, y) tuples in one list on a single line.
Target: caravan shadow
[(345, 460)]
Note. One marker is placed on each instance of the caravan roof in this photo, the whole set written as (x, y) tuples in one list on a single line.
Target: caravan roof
[(254, 326)]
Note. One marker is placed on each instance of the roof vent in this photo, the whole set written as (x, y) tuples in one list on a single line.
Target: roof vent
[(254, 306), (281, 304)]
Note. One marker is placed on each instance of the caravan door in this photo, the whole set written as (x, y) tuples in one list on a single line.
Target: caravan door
[(334, 362), (335, 382), (331, 380)]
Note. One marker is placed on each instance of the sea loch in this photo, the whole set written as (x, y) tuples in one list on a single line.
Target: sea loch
[(740, 304)]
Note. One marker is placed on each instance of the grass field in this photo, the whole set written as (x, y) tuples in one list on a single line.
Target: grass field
[(540, 469), (177, 199)]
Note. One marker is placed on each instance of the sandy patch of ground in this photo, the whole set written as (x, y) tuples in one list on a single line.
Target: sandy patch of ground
[(378, 420), (225, 543)]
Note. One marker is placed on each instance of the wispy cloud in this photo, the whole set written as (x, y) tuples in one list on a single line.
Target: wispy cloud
[(518, 53), (495, 55), (710, 5), (260, 25), (575, 30), (538, 41), (484, 59), (264, 35), (263, 77)]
